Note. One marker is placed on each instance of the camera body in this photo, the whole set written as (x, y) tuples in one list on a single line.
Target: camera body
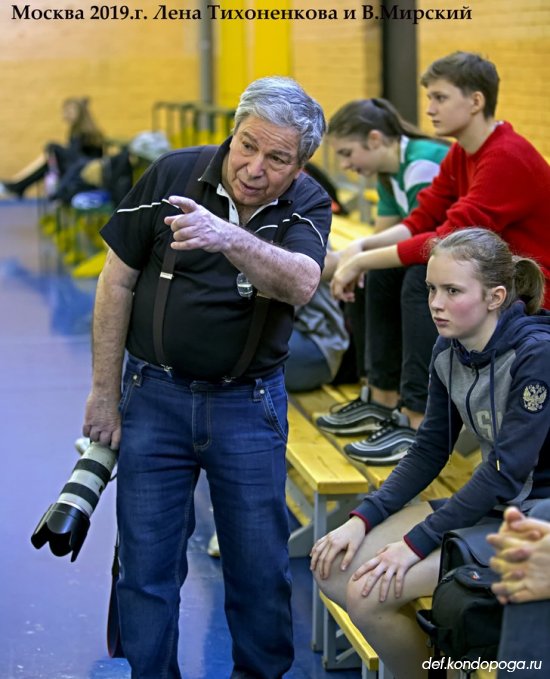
[(65, 523)]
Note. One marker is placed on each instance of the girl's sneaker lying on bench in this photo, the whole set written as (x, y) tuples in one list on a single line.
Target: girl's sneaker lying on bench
[(356, 417), (387, 445)]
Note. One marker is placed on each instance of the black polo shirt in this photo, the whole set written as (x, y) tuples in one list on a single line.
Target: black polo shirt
[(206, 320)]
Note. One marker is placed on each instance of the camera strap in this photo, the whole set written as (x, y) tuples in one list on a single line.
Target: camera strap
[(261, 303)]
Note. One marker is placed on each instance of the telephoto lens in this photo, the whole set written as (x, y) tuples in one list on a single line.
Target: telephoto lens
[(66, 522)]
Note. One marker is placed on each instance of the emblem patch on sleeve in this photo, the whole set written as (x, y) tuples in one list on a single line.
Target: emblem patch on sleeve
[(534, 397)]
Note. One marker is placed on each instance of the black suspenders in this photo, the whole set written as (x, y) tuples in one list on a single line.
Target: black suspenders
[(260, 302), (169, 261)]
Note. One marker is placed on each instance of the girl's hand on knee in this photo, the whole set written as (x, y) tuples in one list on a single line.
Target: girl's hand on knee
[(346, 539), (392, 561)]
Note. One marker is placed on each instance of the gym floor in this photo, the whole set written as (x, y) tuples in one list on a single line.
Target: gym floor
[(54, 612)]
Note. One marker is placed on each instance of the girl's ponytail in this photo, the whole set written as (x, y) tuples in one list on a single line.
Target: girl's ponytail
[(528, 283), (495, 265)]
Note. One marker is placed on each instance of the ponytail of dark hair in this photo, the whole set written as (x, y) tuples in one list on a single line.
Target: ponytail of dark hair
[(358, 118), (529, 283)]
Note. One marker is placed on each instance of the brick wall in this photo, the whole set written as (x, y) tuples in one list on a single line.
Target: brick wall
[(338, 60), (122, 66), (125, 66), (516, 37)]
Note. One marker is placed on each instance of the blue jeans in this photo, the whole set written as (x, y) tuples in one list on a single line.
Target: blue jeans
[(171, 429)]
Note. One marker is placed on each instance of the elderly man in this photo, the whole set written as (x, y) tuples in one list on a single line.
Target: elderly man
[(201, 298)]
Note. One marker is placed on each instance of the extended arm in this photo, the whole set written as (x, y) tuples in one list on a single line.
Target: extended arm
[(111, 318), (286, 276)]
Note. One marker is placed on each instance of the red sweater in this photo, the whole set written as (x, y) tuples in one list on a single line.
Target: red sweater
[(504, 186)]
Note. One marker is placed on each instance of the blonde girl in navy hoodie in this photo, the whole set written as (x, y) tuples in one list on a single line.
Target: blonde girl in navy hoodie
[(490, 372)]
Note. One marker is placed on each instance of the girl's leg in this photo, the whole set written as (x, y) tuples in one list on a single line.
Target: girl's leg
[(31, 168), (394, 635), (30, 175), (419, 336), (383, 332)]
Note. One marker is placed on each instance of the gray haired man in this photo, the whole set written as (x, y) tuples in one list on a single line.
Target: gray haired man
[(199, 298)]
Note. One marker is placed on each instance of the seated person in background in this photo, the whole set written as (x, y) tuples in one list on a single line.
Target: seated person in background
[(114, 174), (370, 137), (523, 559), (493, 178), (319, 338), (85, 141), (489, 369)]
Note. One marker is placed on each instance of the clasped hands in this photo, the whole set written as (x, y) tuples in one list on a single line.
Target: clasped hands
[(348, 274), (390, 563), (522, 558)]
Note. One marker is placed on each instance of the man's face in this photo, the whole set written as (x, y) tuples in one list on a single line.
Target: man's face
[(450, 110), (262, 162)]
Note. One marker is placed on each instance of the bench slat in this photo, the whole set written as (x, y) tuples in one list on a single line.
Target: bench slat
[(322, 466), (363, 649)]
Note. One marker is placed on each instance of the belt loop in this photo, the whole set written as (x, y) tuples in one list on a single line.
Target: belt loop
[(136, 366), (259, 389)]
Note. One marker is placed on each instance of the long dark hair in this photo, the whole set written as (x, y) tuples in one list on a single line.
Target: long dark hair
[(358, 118), (84, 126)]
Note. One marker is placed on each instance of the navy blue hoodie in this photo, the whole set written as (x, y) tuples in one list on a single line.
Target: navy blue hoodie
[(501, 395)]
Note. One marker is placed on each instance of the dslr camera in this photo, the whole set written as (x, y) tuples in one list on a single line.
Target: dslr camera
[(65, 523)]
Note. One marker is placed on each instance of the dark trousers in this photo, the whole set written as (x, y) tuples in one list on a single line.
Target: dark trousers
[(356, 320), (400, 333)]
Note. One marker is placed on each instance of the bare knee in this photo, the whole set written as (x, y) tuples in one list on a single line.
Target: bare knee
[(334, 587), (367, 612)]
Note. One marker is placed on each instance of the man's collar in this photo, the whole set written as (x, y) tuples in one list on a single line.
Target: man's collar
[(213, 173)]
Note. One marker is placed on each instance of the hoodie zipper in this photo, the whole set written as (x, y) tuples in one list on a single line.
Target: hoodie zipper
[(475, 372)]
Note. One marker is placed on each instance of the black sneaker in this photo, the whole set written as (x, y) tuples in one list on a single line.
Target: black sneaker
[(388, 445), (360, 416)]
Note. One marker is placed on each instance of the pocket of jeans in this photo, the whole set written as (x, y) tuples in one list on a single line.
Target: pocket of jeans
[(127, 389), (277, 419)]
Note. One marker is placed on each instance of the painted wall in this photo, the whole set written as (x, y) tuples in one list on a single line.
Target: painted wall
[(125, 66), (516, 37)]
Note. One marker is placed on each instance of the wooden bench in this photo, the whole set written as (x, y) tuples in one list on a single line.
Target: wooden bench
[(323, 485), (344, 230), (338, 625), (454, 475)]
